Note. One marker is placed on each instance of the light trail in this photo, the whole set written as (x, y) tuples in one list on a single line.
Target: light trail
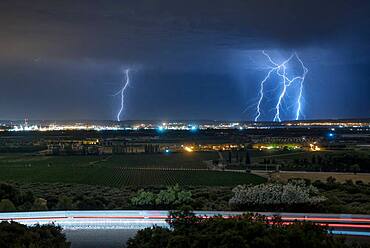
[(339, 224), (281, 71), (121, 92)]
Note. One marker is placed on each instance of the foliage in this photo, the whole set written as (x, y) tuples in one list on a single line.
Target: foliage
[(143, 198), (275, 194), (243, 231), (40, 204), (8, 191), (348, 197), (338, 161), (13, 234), (64, 203), (173, 196), (7, 205), (12, 198)]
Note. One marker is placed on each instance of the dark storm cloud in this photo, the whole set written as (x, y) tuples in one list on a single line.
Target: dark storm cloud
[(135, 30), (62, 59)]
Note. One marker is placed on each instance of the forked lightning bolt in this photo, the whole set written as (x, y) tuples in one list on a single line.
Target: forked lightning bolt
[(121, 92), (281, 71)]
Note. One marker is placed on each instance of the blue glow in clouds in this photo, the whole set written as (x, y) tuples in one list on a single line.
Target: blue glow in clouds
[(280, 70)]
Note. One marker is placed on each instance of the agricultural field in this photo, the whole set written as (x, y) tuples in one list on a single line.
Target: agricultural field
[(119, 177), (120, 170), (172, 160)]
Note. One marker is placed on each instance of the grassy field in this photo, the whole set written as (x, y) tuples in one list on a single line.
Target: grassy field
[(120, 170), (322, 176)]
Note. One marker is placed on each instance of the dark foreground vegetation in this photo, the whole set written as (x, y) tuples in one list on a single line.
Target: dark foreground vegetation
[(14, 235), (299, 196), (187, 230)]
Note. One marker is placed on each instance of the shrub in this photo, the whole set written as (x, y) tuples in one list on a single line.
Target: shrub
[(13, 234), (6, 205), (40, 204), (17, 197), (64, 203), (143, 198), (173, 196), (275, 194)]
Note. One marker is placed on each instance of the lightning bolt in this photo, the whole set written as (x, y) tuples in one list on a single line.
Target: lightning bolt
[(305, 71), (121, 92), (281, 71)]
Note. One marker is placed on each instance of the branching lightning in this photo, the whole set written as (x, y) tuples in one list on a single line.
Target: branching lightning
[(281, 71), (121, 92)]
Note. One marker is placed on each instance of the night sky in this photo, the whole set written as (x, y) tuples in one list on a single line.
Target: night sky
[(188, 59)]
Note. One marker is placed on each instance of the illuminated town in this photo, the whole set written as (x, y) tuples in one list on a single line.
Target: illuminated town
[(191, 125)]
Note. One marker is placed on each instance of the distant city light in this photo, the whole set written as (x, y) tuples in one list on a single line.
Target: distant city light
[(331, 135), (314, 147), (188, 148), (161, 129), (193, 128)]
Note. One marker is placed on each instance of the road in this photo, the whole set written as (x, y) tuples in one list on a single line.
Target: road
[(345, 224)]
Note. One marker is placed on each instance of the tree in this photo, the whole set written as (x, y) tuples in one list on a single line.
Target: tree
[(319, 159), (172, 197), (355, 168), (247, 158), (64, 203), (150, 238), (331, 180), (8, 191), (13, 234), (313, 160), (40, 204), (188, 230), (7, 205), (21, 200), (143, 198), (91, 203)]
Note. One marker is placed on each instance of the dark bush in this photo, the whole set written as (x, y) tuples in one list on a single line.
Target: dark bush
[(13, 234)]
